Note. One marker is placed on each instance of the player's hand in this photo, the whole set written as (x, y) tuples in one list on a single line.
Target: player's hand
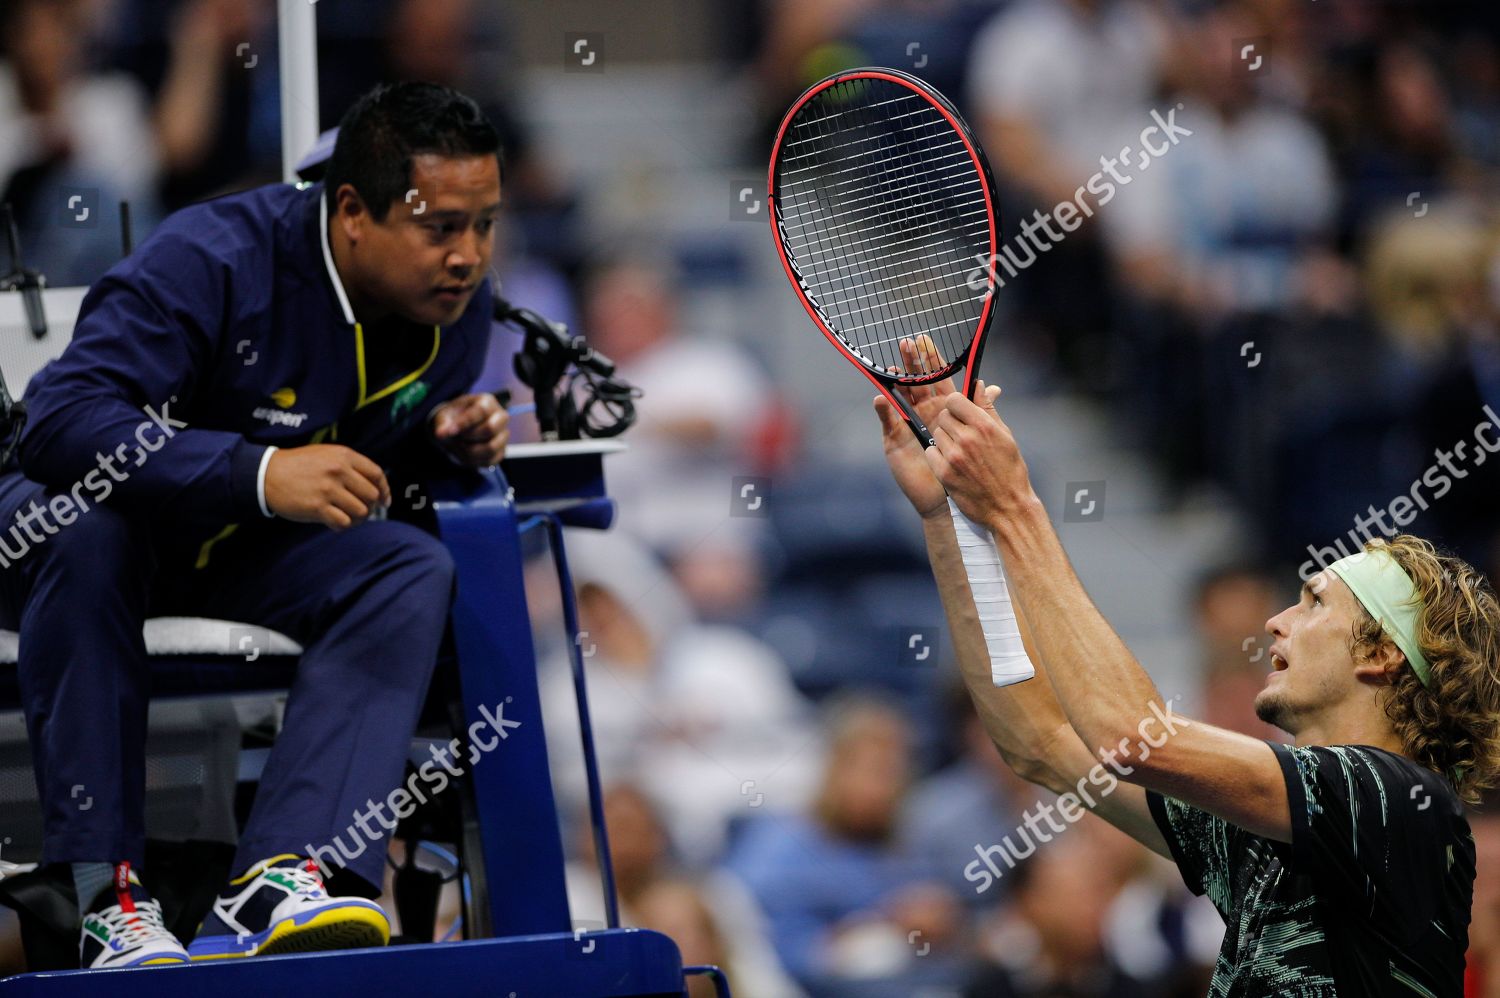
[(324, 483), (903, 452), (976, 459), (474, 429)]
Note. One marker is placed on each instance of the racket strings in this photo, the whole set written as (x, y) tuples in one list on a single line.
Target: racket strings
[(859, 221), (861, 164), (978, 218), (936, 182), (883, 212), (897, 181), (902, 95), (891, 168), (851, 262), (899, 206)]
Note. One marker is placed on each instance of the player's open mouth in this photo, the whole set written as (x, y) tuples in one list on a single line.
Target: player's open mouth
[(1278, 664)]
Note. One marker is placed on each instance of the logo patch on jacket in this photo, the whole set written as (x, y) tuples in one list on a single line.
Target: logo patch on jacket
[(284, 398), (407, 399)]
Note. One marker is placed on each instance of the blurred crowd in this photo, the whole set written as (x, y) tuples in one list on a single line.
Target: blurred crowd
[(1298, 303), (1293, 313)]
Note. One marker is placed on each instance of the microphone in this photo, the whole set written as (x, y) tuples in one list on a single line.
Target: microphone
[(554, 336), (542, 362), (29, 282)]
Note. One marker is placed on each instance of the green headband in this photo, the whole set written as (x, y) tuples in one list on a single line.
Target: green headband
[(1385, 590)]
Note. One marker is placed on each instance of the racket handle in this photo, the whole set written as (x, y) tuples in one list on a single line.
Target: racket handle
[(997, 618)]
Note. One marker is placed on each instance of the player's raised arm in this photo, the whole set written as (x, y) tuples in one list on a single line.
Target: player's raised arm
[(1024, 720), (1105, 693)]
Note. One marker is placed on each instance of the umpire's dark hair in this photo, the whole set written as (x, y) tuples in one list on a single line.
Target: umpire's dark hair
[(381, 133)]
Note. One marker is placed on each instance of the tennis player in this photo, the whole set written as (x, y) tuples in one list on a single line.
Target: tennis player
[(1342, 864), (236, 390)]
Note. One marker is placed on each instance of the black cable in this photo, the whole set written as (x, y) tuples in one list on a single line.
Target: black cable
[(547, 356), (609, 406)]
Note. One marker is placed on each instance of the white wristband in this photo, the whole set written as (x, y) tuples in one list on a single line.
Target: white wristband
[(260, 481)]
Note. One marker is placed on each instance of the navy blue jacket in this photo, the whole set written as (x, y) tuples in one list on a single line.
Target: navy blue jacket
[(230, 319)]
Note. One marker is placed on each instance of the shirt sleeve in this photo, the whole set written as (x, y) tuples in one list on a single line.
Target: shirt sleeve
[(1202, 845), (1363, 823), (117, 403)]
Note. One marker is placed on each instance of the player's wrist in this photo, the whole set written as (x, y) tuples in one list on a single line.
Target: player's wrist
[(1014, 522), (935, 514), (938, 529)]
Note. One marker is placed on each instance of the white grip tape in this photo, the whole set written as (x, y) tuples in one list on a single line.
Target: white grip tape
[(997, 618)]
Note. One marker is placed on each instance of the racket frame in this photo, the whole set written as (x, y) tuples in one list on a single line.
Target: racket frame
[(884, 381)]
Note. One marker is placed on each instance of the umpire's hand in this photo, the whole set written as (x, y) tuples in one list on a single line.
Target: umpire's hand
[(325, 483), (473, 429)]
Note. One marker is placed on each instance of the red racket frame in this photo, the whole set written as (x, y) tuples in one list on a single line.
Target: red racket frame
[(885, 381)]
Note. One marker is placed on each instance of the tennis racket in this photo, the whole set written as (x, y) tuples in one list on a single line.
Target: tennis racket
[(883, 211)]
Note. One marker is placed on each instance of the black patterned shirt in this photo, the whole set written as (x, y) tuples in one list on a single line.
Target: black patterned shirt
[(1370, 898)]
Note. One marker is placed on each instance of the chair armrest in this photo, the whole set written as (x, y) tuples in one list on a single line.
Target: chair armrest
[(481, 488)]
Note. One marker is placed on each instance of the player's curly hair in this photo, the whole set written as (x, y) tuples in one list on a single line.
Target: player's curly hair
[(1454, 725)]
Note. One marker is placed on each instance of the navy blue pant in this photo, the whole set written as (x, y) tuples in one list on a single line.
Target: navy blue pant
[(368, 605)]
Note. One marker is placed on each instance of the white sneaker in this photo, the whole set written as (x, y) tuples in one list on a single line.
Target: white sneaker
[(128, 933), (281, 906)]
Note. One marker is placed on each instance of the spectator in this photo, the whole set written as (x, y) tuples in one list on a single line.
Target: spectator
[(1404, 138), (1049, 943), (971, 800), (1055, 82), (693, 916), (210, 70), (1232, 606), (703, 717), (712, 918), (1463, 391), (639, 849), (1055, 85), (1156, 931), (702, 402), (1425, 280), (1222, 221), (1477, 102), (73, 144), (846, 907)]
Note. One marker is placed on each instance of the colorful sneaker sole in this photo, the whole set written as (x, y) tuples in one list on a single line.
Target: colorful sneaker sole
[(353, 925)]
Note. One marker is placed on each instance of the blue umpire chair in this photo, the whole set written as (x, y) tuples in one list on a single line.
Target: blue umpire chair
[(520, 939)]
